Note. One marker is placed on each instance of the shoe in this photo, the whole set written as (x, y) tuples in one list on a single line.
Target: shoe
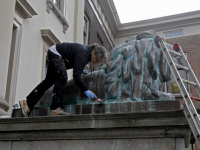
[(58, 111), (25, 108)]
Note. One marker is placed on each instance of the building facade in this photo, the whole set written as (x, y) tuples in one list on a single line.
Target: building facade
[(28, 28)]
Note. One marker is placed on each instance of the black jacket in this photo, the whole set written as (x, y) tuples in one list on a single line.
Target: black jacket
[(76, 56)]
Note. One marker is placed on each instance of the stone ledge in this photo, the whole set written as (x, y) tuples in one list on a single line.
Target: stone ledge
[(49, 37), (94, 108), (25, 9), (142, 125), (142, 119)]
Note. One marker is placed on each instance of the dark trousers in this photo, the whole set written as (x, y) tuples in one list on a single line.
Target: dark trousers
[(57, 76)]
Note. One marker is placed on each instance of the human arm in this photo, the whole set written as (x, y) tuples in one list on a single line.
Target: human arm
[(79, 64), (90, 94)]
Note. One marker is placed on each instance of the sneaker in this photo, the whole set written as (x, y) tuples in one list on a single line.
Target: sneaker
[(58, 111), (25, 108)]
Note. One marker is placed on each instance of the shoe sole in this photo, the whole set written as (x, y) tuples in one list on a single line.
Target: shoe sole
[(24, 115), (59, 115)]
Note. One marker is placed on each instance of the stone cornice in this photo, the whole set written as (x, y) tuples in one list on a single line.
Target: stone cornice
[(157, 24), (155, 118), (158, 27), (25, 9), (106, 5), (49, 37), (159, 124), (52, 6)]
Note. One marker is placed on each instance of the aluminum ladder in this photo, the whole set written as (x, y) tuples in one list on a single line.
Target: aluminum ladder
[(189, 110)]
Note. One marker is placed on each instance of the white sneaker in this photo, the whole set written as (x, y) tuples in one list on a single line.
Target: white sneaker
[(58, 111), (25, 108)]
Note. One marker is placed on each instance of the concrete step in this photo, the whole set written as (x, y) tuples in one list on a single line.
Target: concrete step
[(106, 108)]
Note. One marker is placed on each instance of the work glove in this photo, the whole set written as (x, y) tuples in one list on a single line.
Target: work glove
[(90, 94), (85, 72)]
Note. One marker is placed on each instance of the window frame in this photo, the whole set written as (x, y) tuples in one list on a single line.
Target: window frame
[(99, 38), (186, 84), (60, 13), (86, 30), (173, 36), (57, 3)]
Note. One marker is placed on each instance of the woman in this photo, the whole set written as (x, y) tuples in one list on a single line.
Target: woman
[(61, 57)]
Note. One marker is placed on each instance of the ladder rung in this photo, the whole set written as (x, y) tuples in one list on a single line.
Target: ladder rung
[(174, 52), (186, 81), (182, 67)]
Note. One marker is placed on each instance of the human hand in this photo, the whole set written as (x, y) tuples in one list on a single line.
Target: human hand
[(90, 94), (85, 72)]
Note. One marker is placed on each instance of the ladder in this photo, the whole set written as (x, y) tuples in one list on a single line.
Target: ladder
[(189, 110)]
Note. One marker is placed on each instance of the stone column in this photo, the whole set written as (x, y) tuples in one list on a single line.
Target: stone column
[(7, 9), (4, 106)]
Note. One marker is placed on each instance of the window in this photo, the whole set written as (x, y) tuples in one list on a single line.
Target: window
[(173, 33), (85, 30), (59, 8), (46, 66), (57, 3), (172, 86), (99, 39)]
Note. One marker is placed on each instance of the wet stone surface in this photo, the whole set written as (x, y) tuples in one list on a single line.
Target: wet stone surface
[(114, 108)]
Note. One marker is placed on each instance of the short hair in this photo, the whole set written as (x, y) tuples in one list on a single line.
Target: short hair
[(100, 52)]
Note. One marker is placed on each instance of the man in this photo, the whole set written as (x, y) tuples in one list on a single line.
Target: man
[(61, 57)]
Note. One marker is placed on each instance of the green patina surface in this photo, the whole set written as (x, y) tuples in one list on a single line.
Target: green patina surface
[(137, 71)]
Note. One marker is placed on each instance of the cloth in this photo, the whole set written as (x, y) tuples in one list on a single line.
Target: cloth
[(76, 56), (57, 76), (53, 49)]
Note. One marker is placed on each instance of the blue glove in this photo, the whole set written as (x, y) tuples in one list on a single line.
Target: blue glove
[(90, 94), (85, 72)]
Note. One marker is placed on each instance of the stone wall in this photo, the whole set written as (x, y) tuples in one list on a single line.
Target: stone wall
[(149, 130)]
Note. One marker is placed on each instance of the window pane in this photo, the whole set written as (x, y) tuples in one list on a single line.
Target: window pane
[(168, 34), (172, 86), (85, 30), (85, 25), (57, 3), (178, 33), (46, 66)]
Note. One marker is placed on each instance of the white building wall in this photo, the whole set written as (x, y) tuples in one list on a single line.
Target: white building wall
[(187, 31), (31, 57), (6, 25), (5, 39)]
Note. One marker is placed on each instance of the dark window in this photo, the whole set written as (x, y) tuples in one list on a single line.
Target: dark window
[(57, 3), (99, 39), (46, 65), (85, 30), (172, 86)]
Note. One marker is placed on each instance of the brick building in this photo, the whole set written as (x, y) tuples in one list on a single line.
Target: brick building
[(191, 47)]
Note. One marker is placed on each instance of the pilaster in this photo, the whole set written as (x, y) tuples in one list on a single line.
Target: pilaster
[(4, 106)]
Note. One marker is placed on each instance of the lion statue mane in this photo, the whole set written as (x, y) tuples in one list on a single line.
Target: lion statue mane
[(137, 71)]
